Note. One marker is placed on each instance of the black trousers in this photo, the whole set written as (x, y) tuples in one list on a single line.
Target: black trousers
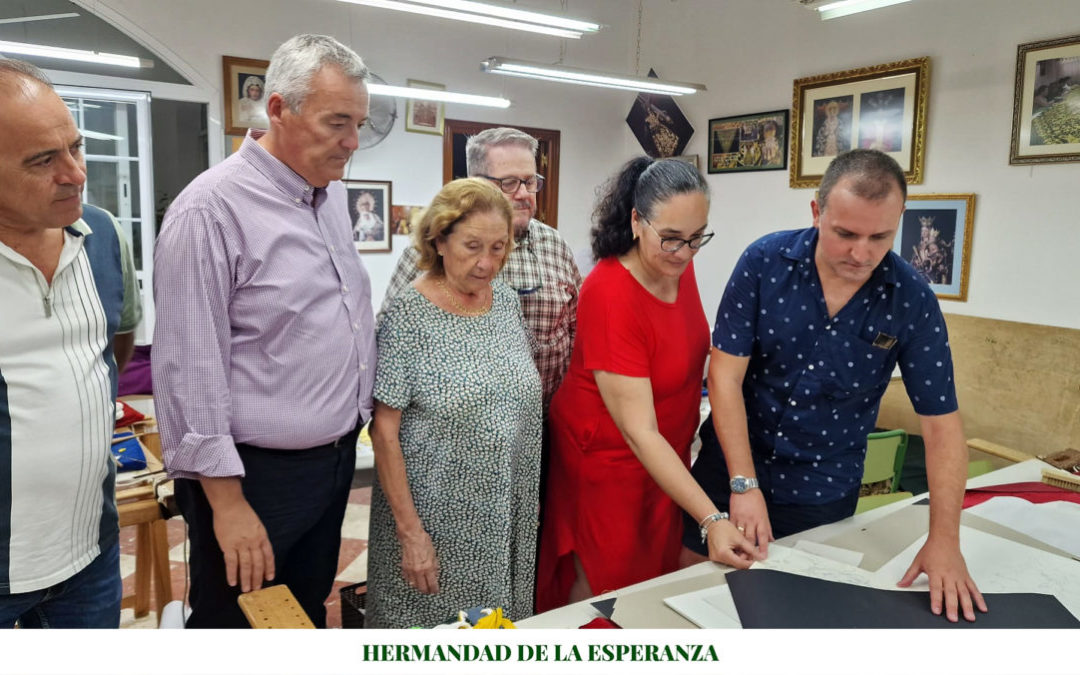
[(300, 496)]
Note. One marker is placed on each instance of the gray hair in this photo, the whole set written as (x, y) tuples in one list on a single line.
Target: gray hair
[(873, 175), (299, 58), (476, 149), (16, 67)]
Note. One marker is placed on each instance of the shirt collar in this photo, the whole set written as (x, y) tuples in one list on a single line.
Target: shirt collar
[(79, 228), (802, 250), (277, 172)]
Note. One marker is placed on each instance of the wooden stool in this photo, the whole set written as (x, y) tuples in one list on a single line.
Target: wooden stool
[(138, 506), (274, 607)]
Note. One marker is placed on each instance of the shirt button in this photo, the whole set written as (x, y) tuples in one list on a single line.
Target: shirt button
[(344, 289), (363, 366), (811, 366), (298, 200), (333, 249), (779, 434), (356, 326)]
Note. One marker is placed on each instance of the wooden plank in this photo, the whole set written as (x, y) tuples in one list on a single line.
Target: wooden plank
[(998, 450), (274, 607)]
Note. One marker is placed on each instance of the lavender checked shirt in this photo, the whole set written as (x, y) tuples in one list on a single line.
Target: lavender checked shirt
[(264, 332)]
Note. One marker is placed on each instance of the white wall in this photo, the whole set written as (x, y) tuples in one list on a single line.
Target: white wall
[(1026, 246), (1026, 242), (398, 46)]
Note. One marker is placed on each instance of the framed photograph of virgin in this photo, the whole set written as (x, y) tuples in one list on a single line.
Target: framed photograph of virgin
[(369, 211), (935, 237), (1046, 105), (245, 94), (424, 117), (879, 107)]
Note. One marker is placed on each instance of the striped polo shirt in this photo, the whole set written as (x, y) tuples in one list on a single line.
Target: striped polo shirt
[(57, 393)]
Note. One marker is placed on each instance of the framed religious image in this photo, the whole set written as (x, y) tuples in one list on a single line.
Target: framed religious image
[(879, 107), (369, 210), (935, 237), (245, 94), (1046, 107), (755, 142), (405, 218), (424, 117), (659, 125)]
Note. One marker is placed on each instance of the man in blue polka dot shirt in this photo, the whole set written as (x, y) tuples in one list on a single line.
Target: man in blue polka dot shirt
[(811, 324)]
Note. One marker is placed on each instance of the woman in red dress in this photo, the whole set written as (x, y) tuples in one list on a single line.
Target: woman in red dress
[(622, 422)]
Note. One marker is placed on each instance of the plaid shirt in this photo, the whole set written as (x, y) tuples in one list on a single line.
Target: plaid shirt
[(542, 270)]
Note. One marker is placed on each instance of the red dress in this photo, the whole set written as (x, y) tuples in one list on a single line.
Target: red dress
[(601, 502)]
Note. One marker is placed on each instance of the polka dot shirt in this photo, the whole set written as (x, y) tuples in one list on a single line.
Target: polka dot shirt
[(815, 382)]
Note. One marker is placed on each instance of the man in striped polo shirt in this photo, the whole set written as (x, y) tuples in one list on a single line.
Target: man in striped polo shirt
[(69, 304)]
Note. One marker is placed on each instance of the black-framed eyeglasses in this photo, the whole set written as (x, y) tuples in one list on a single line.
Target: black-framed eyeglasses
[(510, 184), (673, 244)]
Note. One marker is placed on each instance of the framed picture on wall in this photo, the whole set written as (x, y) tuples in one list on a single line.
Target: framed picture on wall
[(935, 237), (245, 94), (369, 210), (879, 107), (756, 142), (424, 117), (1046, 106)]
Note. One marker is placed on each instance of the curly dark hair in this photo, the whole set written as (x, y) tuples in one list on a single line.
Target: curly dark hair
[(640, 184)]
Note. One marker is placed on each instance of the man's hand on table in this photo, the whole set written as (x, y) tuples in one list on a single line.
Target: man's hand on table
[(950, 583), (751, 517)]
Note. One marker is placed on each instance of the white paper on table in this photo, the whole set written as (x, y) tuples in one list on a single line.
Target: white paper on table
[(998, 566), (793, 561), (707, 608), (1054, 523), (714, 607), (840, 555)]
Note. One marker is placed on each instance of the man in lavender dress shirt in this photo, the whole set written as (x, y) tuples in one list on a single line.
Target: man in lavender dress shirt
[(264, 347)]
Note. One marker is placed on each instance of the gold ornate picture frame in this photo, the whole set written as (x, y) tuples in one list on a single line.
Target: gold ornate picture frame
[(935, 237), (882, 107), (1046, 105)]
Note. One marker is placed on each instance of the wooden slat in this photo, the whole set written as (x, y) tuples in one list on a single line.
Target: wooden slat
[(274, 607), (998, 450)]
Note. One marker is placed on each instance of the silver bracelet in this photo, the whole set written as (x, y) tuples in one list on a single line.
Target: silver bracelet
[(709, 520)]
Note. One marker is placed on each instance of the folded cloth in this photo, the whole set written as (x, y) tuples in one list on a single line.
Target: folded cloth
[(126, 415)]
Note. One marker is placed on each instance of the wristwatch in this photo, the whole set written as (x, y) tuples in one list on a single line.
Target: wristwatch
[(741, 484)]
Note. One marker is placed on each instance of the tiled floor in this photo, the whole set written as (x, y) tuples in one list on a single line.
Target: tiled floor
[(352, 562)]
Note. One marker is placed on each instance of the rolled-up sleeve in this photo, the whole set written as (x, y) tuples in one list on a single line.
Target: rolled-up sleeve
[(193, 283)]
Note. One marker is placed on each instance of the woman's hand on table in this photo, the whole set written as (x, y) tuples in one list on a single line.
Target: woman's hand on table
[(728, 546)]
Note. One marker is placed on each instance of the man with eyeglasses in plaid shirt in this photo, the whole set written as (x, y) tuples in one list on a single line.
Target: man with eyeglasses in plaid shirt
[(541, 266)]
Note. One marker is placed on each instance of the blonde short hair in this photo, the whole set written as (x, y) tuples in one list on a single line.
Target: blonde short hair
[(458, 200)]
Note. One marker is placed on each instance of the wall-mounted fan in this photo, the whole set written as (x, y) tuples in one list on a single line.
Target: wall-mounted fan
[(382, 111)]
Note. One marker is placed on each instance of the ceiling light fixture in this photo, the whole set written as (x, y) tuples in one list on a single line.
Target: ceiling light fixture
[(490, 15), (840, 8), (437, 95), (40, 17), (86, 56), (591, 78)]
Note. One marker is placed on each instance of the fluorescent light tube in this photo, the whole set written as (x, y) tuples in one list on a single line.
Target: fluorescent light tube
[(40, 17), (437, 95), (70, 54), (540, 71), (840, 8), (464, 16), (515, 14)]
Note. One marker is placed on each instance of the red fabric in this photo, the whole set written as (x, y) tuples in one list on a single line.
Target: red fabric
[(601, 622), (130, 415), (1036, 493), (601, 502)]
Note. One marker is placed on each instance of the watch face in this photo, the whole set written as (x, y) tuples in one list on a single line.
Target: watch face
[(738, 485)]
